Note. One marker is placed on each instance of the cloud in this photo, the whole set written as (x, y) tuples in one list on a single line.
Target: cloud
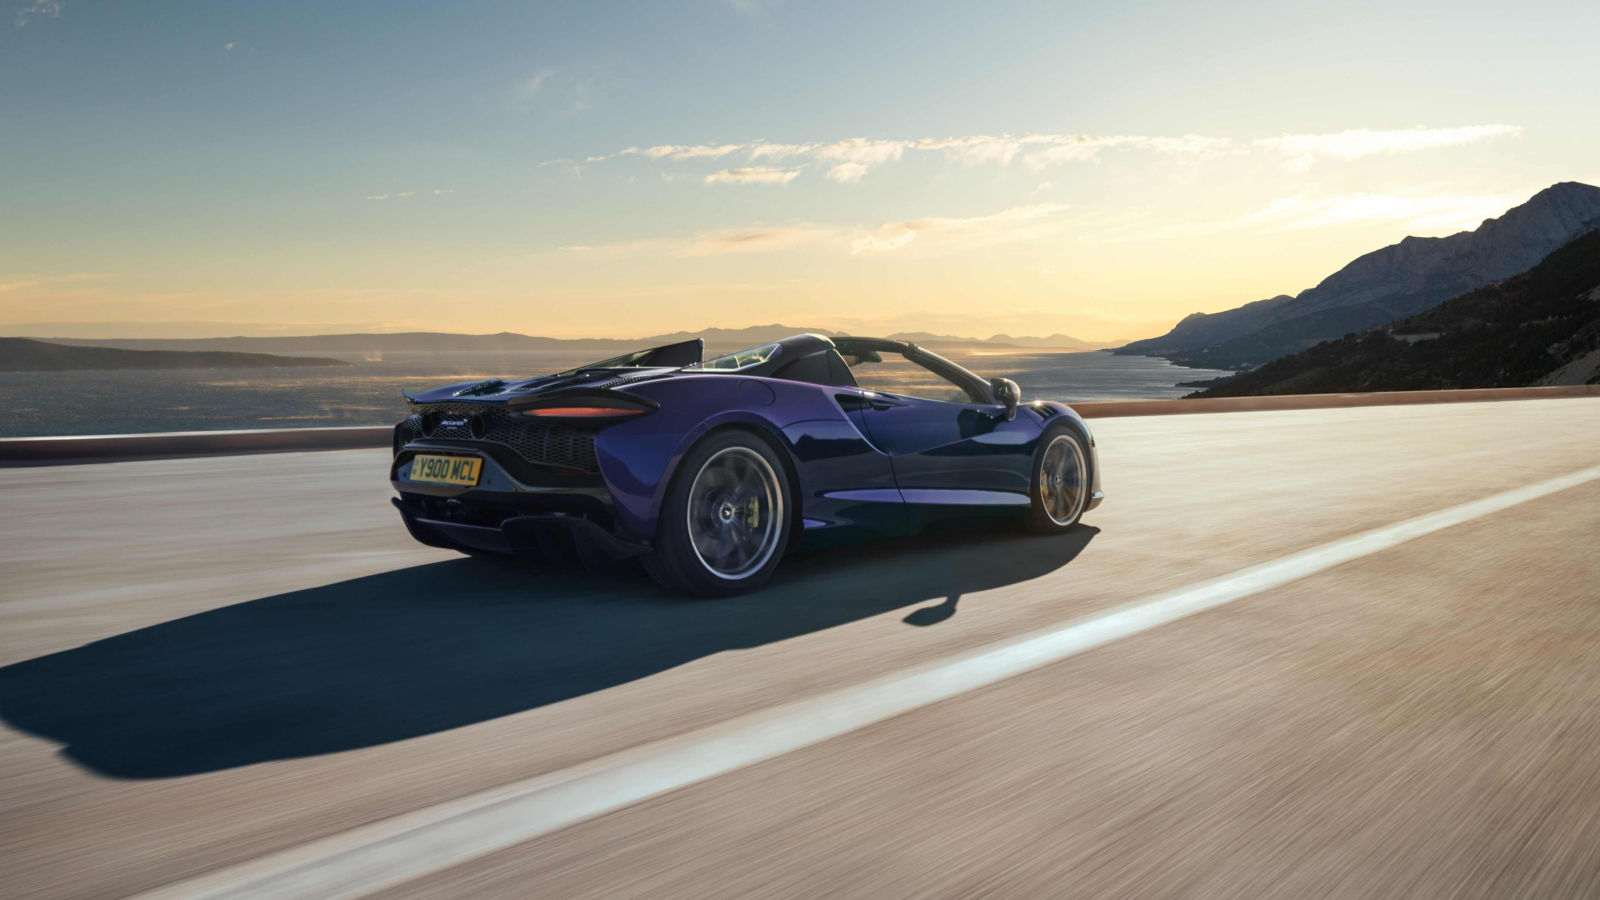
[(756, 240), (38, 8), (48, 9), (1070, 148), (753, 175), (848, 160), (753, 239), (1185, 145), (1419, 214), (863, 151), (852, 157), (846, 173), (953, 233), (553, 90), (21, 281), (1449, 213), (698, 151), (537, 82), (1082, 150), (974, 151), (763, 150), (1304, 150), (407, 195), (887, 238), (1006, 225)]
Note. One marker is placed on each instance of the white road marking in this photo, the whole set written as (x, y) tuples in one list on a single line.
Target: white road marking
[(399, 849)]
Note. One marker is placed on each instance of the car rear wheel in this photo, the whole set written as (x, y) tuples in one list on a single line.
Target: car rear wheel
[(726, 518), (1061, 482)]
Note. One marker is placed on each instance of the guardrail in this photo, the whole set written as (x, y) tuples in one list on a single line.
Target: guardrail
[(34, 451)]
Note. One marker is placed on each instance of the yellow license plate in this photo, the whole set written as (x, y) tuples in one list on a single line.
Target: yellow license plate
[(446, 469)]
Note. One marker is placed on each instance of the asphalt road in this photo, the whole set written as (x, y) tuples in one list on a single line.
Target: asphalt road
[(206, 662)]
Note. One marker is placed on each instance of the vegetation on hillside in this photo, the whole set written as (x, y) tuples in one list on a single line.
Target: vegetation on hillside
[(1509, 334)]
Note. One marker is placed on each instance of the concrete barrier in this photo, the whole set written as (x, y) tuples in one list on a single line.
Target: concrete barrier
[(111, 447), (34, 451), (1115, 408)]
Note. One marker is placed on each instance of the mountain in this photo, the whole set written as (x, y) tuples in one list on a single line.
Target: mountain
[(1540, 327), (1051, 342), (437, 341), (504, 341), (26, 355), (997, 342), (1385, 285), (735, 338), (721, 339)]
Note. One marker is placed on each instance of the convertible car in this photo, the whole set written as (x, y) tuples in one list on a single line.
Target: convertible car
[(710, 470)]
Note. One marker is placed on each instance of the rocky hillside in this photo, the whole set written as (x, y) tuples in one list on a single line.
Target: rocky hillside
[(1540, 327), (1383, 286)]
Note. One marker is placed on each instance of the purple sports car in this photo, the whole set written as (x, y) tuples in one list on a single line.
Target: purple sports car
[(710, 470)]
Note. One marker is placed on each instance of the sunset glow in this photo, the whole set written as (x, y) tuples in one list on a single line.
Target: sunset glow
[(576, 173)]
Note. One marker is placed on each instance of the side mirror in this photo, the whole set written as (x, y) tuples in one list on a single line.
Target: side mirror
[(1007, 394)]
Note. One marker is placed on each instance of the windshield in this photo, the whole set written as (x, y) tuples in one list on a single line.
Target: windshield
[(668, 356), (742, 359)]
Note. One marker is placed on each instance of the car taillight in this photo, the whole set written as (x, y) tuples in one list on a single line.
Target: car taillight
[(590, 404), (583, 412)]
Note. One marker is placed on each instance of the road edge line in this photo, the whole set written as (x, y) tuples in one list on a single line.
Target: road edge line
[(405, 847)]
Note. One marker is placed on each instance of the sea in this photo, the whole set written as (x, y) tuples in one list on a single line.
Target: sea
[(367, 392)]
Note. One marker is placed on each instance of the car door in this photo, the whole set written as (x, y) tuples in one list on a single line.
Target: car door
[(946, 451)]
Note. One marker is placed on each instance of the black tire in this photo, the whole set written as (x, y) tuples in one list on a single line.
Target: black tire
[(726, 518), (1061, 481)]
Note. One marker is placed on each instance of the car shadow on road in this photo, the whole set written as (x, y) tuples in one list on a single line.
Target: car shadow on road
[(433, 647)]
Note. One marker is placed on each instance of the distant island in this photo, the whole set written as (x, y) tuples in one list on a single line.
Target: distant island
[(27, 355), (512, 342), (1541, 327)]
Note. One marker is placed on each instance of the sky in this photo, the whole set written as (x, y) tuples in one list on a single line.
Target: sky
[(622, 169)]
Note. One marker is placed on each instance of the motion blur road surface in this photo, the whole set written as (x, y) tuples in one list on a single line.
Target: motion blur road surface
[(207, 661)]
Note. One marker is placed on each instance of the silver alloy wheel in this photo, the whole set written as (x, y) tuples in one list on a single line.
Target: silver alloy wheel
[(735, 513), (1062, 480)]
